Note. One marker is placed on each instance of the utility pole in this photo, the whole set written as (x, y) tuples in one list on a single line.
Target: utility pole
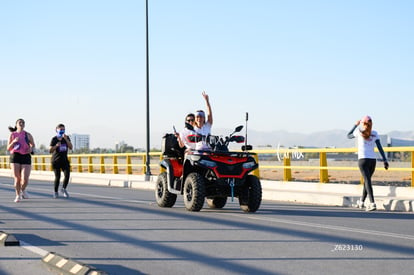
[(147, 163)]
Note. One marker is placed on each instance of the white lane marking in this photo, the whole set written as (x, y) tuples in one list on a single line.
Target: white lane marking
[(85, 195), (111, 198), (34, 249), (323, 226)]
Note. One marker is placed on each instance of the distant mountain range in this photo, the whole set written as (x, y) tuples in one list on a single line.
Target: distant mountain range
[(332, 138)]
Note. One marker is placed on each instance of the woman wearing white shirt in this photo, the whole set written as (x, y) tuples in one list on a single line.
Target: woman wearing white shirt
[(203, 124), (367, 139)]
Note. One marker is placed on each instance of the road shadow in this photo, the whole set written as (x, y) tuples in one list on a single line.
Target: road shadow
[(207, 220)]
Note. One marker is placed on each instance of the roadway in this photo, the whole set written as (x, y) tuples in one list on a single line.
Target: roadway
[(123, 231)]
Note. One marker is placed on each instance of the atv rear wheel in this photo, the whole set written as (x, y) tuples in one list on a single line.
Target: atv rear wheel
[(194, 192), (251, 197), (162, 195), (217, 202)]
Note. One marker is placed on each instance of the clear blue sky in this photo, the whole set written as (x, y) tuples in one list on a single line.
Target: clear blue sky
[(300, 66)]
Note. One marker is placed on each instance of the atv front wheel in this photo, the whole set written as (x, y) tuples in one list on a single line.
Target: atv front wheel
[(251, 197), (163, 197), (194, 192), (217, 202)]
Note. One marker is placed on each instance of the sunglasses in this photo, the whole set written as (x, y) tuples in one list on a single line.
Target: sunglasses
[(190, 119)]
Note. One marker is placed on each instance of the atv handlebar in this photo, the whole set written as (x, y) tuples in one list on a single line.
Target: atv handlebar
[(217, 143)]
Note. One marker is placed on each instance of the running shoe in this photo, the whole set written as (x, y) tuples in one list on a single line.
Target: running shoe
[(360, 204), (18, 198), (24, 194), (55, 195), (371, 207), (65, 193)]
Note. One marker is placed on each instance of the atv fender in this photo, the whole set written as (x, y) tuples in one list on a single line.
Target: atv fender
[(166, 164)]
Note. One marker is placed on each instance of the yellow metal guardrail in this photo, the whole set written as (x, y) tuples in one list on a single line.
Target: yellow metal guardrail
[(135, 163), (126, 163), (287, 154)]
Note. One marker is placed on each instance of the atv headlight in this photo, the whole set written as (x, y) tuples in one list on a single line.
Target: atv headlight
[(208, 163), (249, 165)]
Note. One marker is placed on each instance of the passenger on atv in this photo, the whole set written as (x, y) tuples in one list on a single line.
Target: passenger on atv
[(203, 123), (183, 142)]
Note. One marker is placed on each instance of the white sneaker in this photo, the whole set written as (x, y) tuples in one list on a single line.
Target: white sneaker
[(18, 198), (360, 204), (371, 207), (65, 193), (55, 195), (24, 194)]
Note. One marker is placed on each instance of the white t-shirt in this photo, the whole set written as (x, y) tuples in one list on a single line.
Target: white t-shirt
[(205, 131), (366, 146)]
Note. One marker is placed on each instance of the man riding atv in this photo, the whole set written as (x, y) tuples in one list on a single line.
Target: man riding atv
[(215, 174)]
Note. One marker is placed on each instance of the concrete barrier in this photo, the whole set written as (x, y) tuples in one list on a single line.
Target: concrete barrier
[(389, 198)]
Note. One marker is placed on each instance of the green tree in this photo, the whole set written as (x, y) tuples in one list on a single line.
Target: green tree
[(3, 149)]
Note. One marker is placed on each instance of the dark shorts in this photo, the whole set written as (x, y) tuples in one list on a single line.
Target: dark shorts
[(21, 159)]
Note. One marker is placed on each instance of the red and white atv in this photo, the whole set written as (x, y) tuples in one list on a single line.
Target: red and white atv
[(214, 174)]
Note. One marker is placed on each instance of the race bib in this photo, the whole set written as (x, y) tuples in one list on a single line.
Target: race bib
[(16, 146), (63, 148)]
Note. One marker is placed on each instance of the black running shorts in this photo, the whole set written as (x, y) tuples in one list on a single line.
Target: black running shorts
[(21, 159)]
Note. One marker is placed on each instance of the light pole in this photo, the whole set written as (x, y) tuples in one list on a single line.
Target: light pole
[(147, 163)]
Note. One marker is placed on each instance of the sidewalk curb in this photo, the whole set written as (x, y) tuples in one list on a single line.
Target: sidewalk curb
[(8, 239), (67, 266)]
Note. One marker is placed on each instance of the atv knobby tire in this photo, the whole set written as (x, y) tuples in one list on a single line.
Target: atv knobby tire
[(217, 202), (194, 192), (251, 197), (163, 197)]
